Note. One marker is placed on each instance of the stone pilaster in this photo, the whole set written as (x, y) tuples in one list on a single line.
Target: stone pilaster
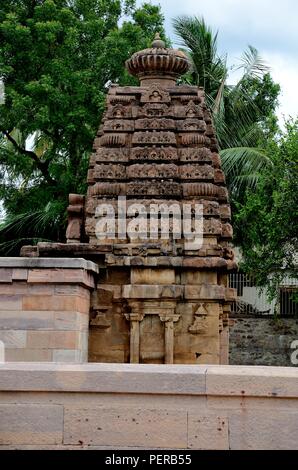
[(169, 336), (134, 318)]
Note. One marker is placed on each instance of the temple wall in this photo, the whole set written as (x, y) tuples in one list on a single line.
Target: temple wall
[(44, 308), (124, 406), (44, 316), (160, 310)]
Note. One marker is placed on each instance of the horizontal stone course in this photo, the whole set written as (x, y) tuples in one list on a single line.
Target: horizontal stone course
[(161, 379), (59, 275), (28, 355), (42, 320), (56, 303), (129, 406), (52, 339), (68, 263)]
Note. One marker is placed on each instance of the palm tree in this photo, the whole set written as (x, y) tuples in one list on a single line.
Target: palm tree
[(235, 111), (19, 224)]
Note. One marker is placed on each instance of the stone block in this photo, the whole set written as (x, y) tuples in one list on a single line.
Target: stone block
[(152, 276), (115, 290), (219, 177), (126, 427), (73, 321), (231, 294), (208, 432), (19, 274), (47, 302), (198, 277), (248, 381), (31, 424), (205, 292), (67, 355), (59, 275), (52, 339), (37, 263), (26, 320), (205, 263), (13, 339), (5, 274), (258, 430), (40, 289), (28, 355), (15, 288), (151, 291), (82, 341), (11, 302), (104, 378), (83, 305), (71, 289)]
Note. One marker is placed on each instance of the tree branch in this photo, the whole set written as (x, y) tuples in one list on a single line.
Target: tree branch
[(42, 166)]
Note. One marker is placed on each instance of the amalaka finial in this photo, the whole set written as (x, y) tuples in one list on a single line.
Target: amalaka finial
[(158, 64), (158, 43)]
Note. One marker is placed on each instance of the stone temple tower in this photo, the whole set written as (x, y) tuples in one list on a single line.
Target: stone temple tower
[(160, 297), (160, 300)]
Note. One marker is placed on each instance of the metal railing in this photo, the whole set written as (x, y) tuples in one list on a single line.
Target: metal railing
[(252, 300)]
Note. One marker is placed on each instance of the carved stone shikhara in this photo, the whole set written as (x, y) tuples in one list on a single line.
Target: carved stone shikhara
[(157, 300), (158, 146)]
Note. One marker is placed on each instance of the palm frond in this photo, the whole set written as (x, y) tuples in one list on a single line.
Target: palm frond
[(201, 41), (252, 63), (12, 246), (42, 225), (242, 166), (235, 159), (218, 102)]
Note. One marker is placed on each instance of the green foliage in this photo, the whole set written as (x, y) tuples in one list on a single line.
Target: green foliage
[(57, 58), (243, 166), (267, 220), (208, 69), (243, 114)]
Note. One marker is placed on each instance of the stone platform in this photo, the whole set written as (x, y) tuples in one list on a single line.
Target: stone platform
[(130, 406), (44, 308)]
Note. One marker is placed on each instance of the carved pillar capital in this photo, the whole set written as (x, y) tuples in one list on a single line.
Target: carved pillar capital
[(169, 318), (134, 316)]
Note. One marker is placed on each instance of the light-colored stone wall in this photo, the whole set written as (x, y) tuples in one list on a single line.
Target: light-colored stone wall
[(44, 308), (93, 406)]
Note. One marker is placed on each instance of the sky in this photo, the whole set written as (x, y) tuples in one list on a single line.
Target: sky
[(271, 26)]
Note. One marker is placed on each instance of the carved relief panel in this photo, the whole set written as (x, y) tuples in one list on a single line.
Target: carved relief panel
[(153, 153), (155, 94)]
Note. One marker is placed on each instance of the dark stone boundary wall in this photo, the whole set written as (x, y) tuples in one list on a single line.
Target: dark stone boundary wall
[(262, 341)]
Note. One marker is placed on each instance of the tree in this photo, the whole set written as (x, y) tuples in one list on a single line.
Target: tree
[(243, 114), (267, 220), (57, 58)]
